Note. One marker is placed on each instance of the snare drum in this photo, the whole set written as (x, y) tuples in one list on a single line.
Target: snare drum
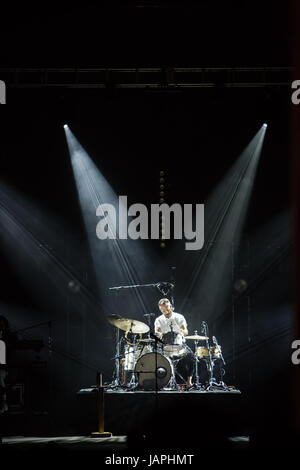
[(173, 344)]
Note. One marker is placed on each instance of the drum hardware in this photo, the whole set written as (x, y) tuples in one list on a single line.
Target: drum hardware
[(218, 347), (133, 325), (149, 318), (211, 354), (209, 362), (127, 325), (127, 340), (176, 373), (152, 363), (116, 383), (219, 355), (196, 337), (156, 338)]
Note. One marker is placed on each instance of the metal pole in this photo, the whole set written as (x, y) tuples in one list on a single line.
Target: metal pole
[(100, 432)]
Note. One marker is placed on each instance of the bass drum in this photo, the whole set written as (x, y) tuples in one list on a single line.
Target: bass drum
[(153, 370)]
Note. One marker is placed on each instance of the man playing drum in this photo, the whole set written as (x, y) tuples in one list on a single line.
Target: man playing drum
[(174, 324)]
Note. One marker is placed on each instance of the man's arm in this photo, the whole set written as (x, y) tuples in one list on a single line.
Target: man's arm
[(158, 332), (157, 328), (183, 326), (184, 330)]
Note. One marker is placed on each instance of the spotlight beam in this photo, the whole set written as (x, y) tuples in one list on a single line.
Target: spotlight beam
[(111, 255), (38, 252), (226, 211)]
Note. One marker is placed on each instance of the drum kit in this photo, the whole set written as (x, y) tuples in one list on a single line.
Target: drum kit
[(151, 363)]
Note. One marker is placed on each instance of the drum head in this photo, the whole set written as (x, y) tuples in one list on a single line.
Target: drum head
[(153, 367), (170, 338)]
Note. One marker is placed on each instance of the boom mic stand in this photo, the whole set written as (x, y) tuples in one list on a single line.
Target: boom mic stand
[(217, 346)]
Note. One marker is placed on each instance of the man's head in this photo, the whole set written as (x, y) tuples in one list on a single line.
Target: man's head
[(165, 307)]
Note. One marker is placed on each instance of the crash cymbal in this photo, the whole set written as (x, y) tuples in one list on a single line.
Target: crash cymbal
[(126, 324), (196, 337)]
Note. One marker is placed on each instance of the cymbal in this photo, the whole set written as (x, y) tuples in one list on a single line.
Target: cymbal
[(196, 337), (146, 340), (126, 324)]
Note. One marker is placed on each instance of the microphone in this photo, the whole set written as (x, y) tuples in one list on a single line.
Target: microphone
[(214, 341), (165, 287)]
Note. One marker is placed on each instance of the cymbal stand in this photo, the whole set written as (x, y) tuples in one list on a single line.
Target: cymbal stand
[(197, 382), (116, 383), (209, 363), (132, 383), (173, 385)]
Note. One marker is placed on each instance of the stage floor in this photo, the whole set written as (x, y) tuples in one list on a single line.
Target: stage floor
[(173, 392), (160, 414)]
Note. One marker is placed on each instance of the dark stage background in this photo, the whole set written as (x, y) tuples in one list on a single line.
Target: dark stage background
[(194, 136)]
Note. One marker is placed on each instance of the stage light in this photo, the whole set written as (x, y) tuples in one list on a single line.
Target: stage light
[(265, 125), (65, 126), (240, 285)]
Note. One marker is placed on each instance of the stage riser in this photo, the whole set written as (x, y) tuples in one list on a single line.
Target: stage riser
[(202, 415)]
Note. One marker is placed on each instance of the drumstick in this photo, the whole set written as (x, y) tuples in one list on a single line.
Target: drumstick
[(177, 325)]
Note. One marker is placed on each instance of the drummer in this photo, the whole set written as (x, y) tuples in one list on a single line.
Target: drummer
[(173, 321)]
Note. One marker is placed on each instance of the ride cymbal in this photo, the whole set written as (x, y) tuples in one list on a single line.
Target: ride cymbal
[(126, 324)]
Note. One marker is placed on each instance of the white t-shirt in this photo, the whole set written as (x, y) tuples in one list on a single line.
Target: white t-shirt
[(176, 320)]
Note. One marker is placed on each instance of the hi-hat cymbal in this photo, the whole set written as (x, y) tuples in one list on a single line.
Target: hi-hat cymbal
[(196, 337), (146, 340), (126, 324)]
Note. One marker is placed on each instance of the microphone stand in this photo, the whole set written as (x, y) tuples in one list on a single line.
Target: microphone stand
[(210, 362), (156, 340), (217, 346), (163, 287), (197, 384), (148, 318)]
